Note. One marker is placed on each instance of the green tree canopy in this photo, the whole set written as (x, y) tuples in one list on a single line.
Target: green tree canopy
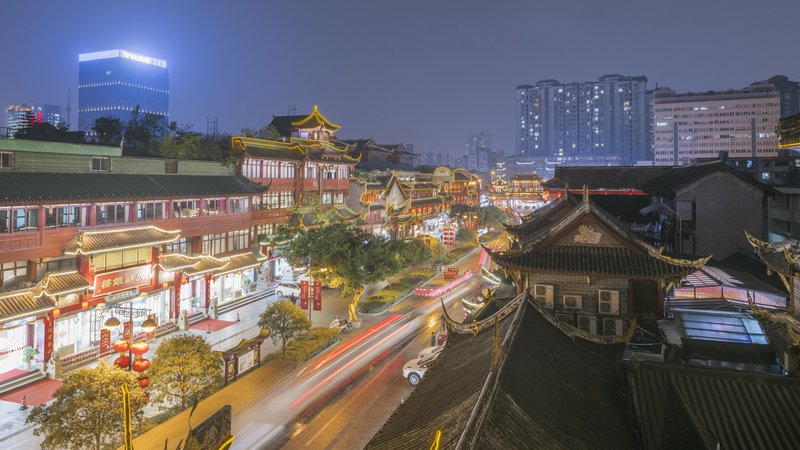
[(184, 369), (87, 410), (482, 216), (284, 320), (108, 130), (265, 132)]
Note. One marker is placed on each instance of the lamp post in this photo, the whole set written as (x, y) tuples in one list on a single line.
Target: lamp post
[(112, 323)]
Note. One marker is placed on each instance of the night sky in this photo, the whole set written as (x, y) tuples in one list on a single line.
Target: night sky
[(424, 72)]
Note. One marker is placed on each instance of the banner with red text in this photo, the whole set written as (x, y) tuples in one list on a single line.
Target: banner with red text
[(303, 294), (317, 295)]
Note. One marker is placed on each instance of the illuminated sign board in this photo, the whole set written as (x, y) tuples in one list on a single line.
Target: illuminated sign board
[(121, 280)]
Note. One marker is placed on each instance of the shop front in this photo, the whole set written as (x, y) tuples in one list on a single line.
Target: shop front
[(22, 332), (193, 296), (234, 285)]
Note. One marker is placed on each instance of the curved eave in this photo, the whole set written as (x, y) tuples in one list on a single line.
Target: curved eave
[(322, 121)]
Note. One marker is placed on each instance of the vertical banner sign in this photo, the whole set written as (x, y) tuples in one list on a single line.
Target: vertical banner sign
[(49, 325), (105, 341), (127, 332), (317, 295), (303, 294)]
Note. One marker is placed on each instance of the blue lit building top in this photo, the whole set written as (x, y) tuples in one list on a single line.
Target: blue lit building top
[(111, 83)]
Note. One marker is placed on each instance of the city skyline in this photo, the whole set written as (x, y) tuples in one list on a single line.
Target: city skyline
[(393, 89)]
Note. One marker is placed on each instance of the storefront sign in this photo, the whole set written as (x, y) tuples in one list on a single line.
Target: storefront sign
[(49, 326), (122, 295), (317, 295), (303, 294), (105, 341), (122, 280), (246, 362)]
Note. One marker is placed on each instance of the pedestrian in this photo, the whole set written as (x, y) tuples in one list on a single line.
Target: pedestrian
[(293, 299), (433, 339)]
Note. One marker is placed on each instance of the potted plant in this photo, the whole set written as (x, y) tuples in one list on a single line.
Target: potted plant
[(28, 353)]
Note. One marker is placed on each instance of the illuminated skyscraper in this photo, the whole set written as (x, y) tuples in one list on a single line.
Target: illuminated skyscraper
[(112, 83), (23, 116)]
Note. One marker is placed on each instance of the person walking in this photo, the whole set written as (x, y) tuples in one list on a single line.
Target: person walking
[(433, 339)]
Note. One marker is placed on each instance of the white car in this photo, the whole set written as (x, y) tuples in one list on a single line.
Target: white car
[(425, 352), (415, 369), (287, 289)]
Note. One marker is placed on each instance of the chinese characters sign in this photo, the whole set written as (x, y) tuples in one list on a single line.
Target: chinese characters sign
[(121, 280), (317, 295), (303, 294), (105, 341)]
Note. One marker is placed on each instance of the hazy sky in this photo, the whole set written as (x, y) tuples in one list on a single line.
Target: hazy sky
[(424, 72)]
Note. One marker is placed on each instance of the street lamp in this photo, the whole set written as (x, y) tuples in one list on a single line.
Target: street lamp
[(141, 364)]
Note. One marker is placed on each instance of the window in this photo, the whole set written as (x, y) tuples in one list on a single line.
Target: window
[(171, 166), (5, 220), (13, 275), (264, 231), (184, 208), (214, 244), (150, 211), (327, 198), (26, 218), (215, 206), (237, 205), (125, 258), (6, 160), (287, 170), (238, 240), (110, 213), (54, 266), (182, 246), (287, 199), (311, 172), (269, 200), (101, 163), (339, 198), (63, 216)]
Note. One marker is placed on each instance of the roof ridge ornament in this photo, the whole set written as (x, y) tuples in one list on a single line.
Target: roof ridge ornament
[(585, 193)]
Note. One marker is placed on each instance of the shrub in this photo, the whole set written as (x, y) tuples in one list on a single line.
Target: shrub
[(311, 343)]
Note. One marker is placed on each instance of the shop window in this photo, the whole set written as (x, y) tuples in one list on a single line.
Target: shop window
[(101, 164), (6, 160), (13, 275)]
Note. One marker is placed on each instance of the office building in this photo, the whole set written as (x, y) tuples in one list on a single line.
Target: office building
[(788, 91), (25, 116), (701, 125), (113, 83), (608, 117)]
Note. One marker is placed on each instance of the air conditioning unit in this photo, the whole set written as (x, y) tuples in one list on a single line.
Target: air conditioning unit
[(566, 318), (543, 293), (608, 302), (612, 327), (588, 324), (573, 302)]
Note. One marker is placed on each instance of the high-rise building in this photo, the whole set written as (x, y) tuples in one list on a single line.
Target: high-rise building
[(479, 152), (788, 91), (112, 83), (741, 123), (437, 159), (608, 117), (24, 116)]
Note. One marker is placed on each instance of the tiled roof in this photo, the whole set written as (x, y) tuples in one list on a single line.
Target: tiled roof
[(781, 257), (54, 284), (418, 202), (542, 219), (206, 264), (20, 304), (592, 259), (241, 262), (89, 242), (671, 180), (281, 152), (17, 187), (687, 407), (604, 177), (177, 261)]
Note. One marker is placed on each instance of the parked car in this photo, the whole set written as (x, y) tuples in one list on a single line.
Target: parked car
[(415, 369), (425, 352), (286, 289)]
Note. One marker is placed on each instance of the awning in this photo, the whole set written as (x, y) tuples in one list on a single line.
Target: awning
[(241, 262), (20, 304), (91, 242), (55, 284)]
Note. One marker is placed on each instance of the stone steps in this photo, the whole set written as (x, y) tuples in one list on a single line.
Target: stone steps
[(20, 381)]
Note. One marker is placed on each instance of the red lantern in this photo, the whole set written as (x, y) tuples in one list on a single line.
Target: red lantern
[(144, 382), (56, 313), (140, 365), (123, 362), (165, 285), (121, 346), (84, 304), (91, 269), (139, 348)]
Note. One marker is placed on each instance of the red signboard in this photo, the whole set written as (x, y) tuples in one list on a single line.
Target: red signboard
[(303, 294), (317, 295), (121, 280), (49, 325), (105, 341), (127, 331)]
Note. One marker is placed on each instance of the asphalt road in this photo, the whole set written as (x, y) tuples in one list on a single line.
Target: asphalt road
[(341, 398)]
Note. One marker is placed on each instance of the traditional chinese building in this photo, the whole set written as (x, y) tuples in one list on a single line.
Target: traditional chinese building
[(86, 233), (588, 269), (523, 193)]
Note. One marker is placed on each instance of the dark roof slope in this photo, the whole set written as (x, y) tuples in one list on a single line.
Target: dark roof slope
[(734, 410), (556, 392), (18, 187), (284, 124), (680, 176), (623, 177)]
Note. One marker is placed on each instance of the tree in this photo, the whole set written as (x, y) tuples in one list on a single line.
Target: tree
[(87, 410), (184, 369), (342, 256), (108, 130), (465, 234), (284, 320), (266, 132)]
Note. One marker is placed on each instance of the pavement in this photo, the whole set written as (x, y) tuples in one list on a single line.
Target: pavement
[(239, 324)]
